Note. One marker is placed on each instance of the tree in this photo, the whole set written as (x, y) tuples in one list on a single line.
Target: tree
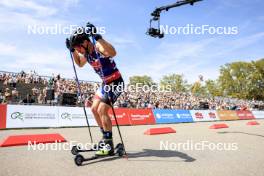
[(212, 88), (175, 81), (257, 80), (144, 80), (243, 80), (198, 89)]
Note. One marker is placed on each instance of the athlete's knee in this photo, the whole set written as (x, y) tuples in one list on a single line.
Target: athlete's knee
[(102, 110), (94, 109)]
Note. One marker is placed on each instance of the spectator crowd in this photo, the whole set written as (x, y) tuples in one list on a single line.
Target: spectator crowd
[(31, 88)]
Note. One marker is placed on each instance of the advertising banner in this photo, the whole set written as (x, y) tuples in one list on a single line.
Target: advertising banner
[(122, 116), (172, 116), (244, 115), (3, 108), (204, 115), (141, 117), (227, 115), (31, 116), (258, 114), (74, 116)]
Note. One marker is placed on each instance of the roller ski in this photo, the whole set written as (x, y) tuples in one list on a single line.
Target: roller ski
[(105, 150)]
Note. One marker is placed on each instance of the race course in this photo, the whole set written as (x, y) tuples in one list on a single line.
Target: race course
[(145, 156)]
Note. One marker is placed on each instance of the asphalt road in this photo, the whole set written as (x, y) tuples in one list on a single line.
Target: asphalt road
[(193, 150)]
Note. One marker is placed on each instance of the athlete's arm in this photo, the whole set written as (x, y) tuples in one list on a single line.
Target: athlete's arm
[(80, 61), (105, 48)]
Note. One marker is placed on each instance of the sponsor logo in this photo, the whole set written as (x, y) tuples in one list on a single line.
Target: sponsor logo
[(198, 115), (118, 116), (183, 116), (66, 115), (17, 115), (139, 116), (212, 115)]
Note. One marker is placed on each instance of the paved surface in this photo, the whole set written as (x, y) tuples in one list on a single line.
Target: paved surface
[(145, 156)]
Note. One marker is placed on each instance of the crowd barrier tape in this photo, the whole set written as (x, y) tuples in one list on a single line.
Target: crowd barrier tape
[(204, 115), (172, 116), (258, 114), (227, 115), (31, 116), (245, 115), (3, 108)]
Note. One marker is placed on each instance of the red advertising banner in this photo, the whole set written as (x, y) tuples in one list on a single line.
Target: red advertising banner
[(122, 116), (3, 109), (227, 115), (245, 114), (142, 117)]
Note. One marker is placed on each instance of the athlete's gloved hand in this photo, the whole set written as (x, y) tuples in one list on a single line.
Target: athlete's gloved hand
[(91, 29), (68, 45), (97, 36)]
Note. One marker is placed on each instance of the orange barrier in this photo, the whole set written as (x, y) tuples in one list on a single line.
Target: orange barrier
[(155, 131), (220, 125), (253, 123), (17, 140)]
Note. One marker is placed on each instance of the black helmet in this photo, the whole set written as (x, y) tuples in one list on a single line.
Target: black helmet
[(78, 37)]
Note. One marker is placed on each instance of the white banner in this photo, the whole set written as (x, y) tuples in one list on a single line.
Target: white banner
[(19, 116), (204, 115), (258, 114), (74, 116)]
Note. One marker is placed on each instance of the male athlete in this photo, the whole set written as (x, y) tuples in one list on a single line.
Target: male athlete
[(83, 52)]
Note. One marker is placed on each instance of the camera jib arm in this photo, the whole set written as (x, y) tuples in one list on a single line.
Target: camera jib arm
[(155, 32)]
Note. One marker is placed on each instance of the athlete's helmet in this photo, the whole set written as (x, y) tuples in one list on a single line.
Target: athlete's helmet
[(78, 37)]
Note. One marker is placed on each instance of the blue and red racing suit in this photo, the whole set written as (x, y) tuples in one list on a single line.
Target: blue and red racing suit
[(113, 83)]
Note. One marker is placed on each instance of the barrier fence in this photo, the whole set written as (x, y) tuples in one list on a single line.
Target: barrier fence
[(30, 116)]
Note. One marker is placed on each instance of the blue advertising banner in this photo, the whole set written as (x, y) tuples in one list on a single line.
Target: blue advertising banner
[(172, 116)]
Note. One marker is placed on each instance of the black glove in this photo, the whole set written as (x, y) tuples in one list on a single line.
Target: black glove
[(91, 29), (68, 45), (97, 37)]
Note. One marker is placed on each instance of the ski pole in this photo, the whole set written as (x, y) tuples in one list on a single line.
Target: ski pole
[(80, 93)]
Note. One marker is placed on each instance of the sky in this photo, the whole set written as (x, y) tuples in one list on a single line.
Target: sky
[(125, 23)]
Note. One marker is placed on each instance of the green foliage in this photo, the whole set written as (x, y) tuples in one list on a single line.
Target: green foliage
[(144, 80), (243, 80), (175, 81), (212, 88)]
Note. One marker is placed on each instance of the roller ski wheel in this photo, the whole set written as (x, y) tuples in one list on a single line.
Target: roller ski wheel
[(120, 149), (79, 160), (118, 146), (75, 150)]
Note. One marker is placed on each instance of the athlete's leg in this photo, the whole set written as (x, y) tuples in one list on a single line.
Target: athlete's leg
[(107, 146), (102, 110), (107, 100), (94, 110)]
